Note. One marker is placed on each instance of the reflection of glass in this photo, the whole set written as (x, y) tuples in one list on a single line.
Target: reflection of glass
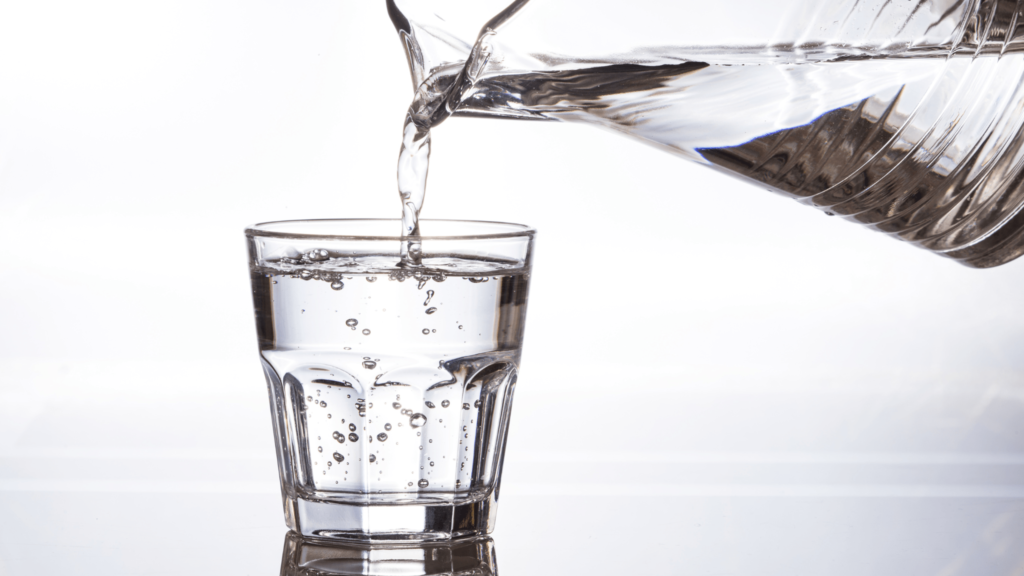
[(390, 386), (303, 557)]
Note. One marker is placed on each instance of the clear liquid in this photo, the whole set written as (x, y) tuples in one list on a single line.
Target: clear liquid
[(389, 385), (919, 145)]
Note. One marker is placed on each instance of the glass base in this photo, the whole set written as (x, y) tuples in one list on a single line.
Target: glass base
[(469, 557), (407, 522)]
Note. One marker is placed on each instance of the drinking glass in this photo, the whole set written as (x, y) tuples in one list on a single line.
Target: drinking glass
[(390, 385)]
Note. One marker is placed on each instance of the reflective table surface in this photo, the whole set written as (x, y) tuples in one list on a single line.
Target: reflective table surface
[(731, 475)]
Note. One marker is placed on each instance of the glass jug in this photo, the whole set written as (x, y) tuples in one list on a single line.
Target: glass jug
[(902, 115)]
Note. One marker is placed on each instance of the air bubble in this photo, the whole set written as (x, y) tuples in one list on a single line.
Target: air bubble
[(424, 483), (351, 322), (323, 404), (366, 331), (465, 405), (305, 274), (369, 364), (445, 404), (426, 330), (352, 427), (387, 427), (372, 458), (317, 255), (337, 285), (319, 448), (430, 294), (429, 404), (371, 278), (421, 284), (396, 405), (431, 310), (431, 463), (417, 420), (458, 483), (382, 437), (476, 404), (353, 438), (309, 398), (338, 458)]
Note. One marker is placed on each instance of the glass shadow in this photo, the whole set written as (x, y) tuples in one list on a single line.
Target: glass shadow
[(306, 557)]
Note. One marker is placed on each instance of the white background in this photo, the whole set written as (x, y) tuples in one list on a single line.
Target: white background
[(674, 311)]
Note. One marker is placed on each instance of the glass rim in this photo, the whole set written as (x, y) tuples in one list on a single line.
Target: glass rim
[(258, 230)]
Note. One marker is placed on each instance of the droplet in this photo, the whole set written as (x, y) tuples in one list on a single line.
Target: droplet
[(429, 404), (382, 437), (366, 331), (445, 403), (423, 483), (319, 448), (426, 330), (417, 420), (353, 438), (337, 285), (339, 437), (351, 322), (430, 294), (387, 427), (431, 310), (396, 405), (352, 427), (465, 405), (372, 458), (369, 364)]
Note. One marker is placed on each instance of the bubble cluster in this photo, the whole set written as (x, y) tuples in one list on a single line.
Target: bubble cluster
[(316, 255), (339, 437)]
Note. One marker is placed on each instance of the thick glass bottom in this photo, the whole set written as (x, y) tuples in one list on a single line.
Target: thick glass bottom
[(378, 522)]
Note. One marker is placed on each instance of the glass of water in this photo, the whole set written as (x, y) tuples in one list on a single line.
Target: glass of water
[(390, 385)]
